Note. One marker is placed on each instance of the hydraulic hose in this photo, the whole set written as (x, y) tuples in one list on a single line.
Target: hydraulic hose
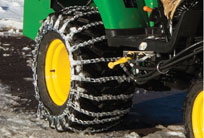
[(185, 50), (166, 65), (181, 59)]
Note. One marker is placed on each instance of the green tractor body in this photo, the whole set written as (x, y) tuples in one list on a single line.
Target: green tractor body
[(31, 24), (80, 43), (114, 13)]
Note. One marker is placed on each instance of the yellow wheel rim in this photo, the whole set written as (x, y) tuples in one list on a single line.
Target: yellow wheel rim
[(57, 72), (197, 116)]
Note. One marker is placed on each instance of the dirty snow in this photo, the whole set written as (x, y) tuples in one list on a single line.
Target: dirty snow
[(18, 123), (11, 14), (9, 24), (6, 99)]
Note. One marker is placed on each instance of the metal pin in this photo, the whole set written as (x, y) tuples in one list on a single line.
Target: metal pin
[(53, 70)]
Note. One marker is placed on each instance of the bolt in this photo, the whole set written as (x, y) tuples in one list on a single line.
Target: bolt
[(143, 46), (52, 70)]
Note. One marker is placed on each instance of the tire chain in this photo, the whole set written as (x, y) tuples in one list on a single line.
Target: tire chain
[(89, 42), (93, 114), (59, 120), (101, 98), (96, 60), (100, 80)]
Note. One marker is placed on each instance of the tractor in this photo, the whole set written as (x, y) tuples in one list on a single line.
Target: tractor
[(91, 55)]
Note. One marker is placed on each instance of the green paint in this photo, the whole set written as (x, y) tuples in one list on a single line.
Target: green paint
[(34, 12), (113, 12), (116, 16), (152, 4)]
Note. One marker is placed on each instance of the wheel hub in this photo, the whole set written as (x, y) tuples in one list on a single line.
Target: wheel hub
[(57, 72), (197, 116)]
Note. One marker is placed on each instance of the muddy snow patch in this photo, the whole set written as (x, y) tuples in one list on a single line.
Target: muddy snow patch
[(7, 31), (6, 99), (12, 26), (26, 48), (16, 123), (3, 48), (173, 131), (11, 14), (28, 79), (132, 135), (20, 125), (6, 55)]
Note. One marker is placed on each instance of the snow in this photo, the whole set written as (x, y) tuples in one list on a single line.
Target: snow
[(175, 128), (166, 133), (18, 123), (179, 134), (11, 14), (163, 133), (132, 135), (26, 48), (10, 24), (6, 99), (6, 55)]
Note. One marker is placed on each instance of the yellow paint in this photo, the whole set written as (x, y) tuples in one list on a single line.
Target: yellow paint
[(58, 72), (123, 60), (197, 116)]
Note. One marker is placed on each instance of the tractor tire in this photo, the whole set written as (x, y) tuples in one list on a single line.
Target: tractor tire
[(74, 87), (193, 114)]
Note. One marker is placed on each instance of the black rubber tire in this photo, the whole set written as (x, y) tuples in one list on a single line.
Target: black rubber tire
[(193, 92), (66, 117)]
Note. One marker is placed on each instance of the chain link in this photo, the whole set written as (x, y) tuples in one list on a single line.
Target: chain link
[(96, 121), (89, 42), (69, 20), (100, 80), (85, 27), (45, 113), (71, 9), (101, 114), (101, 98), (82, 14), (56, 26)]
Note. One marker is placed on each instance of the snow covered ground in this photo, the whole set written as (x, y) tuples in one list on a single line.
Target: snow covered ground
[(11, 14), (17, 123)]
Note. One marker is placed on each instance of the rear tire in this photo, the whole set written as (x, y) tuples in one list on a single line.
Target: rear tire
[(99, 97), (193, 113)]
